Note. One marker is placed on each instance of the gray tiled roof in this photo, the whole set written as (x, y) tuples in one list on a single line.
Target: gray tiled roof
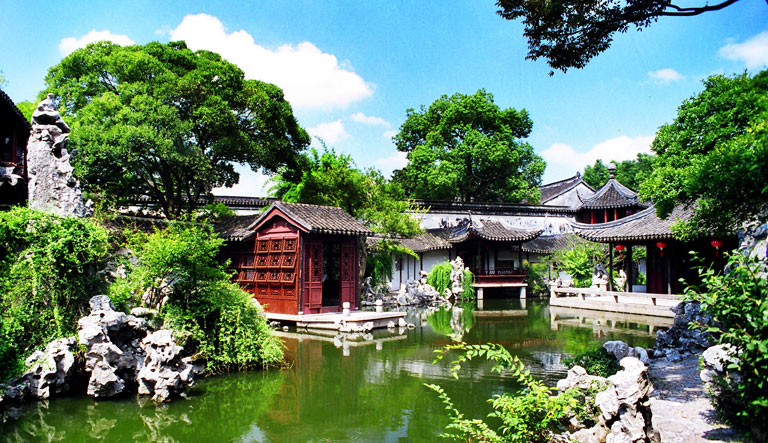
[(319, 219), (552, 190), (645, 225), (422, 243), (612, 195), (235, 227), (551, 243), (489, 230)]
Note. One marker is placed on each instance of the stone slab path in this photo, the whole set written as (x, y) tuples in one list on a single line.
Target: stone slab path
[(681, 409)]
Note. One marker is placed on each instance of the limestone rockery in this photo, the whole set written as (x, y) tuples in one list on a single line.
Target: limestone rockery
[(122, 355)]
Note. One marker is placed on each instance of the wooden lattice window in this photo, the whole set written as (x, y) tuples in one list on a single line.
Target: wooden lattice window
[(261, 276), (289, 245), (287, 277), (289, 260), (273, 276), (274, 261), (263, 246), (261, 261), (276, 245)]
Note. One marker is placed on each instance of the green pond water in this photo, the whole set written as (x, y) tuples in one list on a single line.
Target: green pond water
[(338, 390)]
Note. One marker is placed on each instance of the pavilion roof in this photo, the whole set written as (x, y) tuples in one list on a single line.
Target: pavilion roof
[(612, 195), (318, 219), (9, 110), (488, 230), (312, 218), (644, 225), (555, 189)]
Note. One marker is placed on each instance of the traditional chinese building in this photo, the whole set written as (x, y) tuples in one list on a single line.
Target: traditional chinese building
[(296, 258), (14, 132), (668, 259), (612, 201)]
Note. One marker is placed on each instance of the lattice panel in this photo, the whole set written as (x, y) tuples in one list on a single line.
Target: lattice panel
[(275, 265)]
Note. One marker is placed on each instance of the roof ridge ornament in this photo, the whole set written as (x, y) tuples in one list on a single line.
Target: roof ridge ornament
[(612, 170)]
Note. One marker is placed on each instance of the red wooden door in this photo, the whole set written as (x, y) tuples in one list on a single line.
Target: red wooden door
[(348, 273), (313, 281)]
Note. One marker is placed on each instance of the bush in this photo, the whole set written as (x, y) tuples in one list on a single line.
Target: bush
[(47, 275), (178, 273), (440, 279), (528, 416), (596, 361), (535, 277), (579, 262), (738, 303)]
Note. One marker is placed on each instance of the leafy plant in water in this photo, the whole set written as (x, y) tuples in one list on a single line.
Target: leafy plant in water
[(525, 417), (738, 303)]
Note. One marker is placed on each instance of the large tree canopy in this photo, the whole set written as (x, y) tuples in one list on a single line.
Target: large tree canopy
[(333, 179), (568, 33), (464, 147), (163, 121), (630, 173), (715, 155)]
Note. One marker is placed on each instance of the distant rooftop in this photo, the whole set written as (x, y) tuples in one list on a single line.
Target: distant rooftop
[(555, 189)]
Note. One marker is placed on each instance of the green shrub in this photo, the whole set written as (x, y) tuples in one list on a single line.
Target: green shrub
[(535, 277), (596, 361), (48, 273), (579, 262), (528, 416), (178, 271), (440, 279), (738, 303)]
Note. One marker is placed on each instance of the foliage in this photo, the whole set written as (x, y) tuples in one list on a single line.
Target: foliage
[(379, 263), (163, 121), (333, 179), (27, 108), (738, 303), (47, 275), (630, 173), (525, 417), (714, 155), (465, 148), (569, 33), (579, 261), (535, 277), (440, 277), (178, 272), (596, 361), (468, 291)]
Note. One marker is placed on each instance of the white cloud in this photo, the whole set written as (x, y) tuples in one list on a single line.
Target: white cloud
[(563, 160), (665, 76), (753, 52), (330, 132), (359, 117), (251, 184), (309, 77), (69, 44), (388, 164), (389, 134)]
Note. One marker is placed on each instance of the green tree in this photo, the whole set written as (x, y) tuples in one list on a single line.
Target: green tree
[(162, 121), (715, 155), (27, 108), (630, 173), (333, 179), (464, 147), (569, 33)]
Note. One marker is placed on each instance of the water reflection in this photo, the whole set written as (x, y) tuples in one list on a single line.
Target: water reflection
[(341, 387)]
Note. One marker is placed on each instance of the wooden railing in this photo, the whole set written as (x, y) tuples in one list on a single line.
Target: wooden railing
[(582, 293)]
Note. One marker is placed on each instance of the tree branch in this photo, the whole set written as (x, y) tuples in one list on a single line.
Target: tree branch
[(687, 12)]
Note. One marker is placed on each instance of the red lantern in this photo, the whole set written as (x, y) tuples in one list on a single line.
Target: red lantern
[(717, 244), (661, 245), (620, 247)]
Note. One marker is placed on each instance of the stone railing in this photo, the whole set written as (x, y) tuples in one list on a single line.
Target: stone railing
[(583, 293)]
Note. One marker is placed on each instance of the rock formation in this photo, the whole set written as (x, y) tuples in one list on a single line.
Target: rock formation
[(51, 372), (164, 373), (619, 350), (680, 339), (625, 413), (51, 185)]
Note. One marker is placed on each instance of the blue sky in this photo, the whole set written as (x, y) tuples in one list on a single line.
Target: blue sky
[(351, 69)]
